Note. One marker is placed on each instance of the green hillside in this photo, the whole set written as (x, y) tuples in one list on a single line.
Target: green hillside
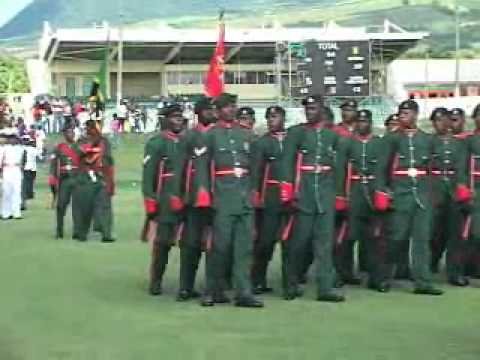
[(434, 16)]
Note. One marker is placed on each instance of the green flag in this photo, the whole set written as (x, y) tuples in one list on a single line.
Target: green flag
[(99, 86)]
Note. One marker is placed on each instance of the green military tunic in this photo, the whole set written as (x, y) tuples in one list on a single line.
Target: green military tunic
[(198, 220), (362, 156), (402, 169), (473, 161), (322, 175), (229, 157), (103, 217), (449, 156), (163, 159), (64, 166), (267, 157), (94, 185)]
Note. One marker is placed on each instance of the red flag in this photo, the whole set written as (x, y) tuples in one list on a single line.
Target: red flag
[(214, 81)]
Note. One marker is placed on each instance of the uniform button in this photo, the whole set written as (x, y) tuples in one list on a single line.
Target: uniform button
[(411, 148), (232, 141), (234, 151)]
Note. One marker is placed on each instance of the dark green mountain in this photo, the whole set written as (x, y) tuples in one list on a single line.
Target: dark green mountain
[(434, 16)]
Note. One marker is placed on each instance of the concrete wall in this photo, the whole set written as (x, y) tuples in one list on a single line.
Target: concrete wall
[(149, 78)]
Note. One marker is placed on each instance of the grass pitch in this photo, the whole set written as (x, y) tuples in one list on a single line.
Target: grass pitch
[(61, 299)]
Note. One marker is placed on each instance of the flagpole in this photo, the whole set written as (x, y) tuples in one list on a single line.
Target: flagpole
[(120, 58), (107, 67)]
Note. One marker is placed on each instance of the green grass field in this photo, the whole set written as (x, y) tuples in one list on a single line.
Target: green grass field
[(61, 299)]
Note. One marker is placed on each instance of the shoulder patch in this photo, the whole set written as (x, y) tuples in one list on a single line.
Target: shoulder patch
[(200, 151), (146, 159)]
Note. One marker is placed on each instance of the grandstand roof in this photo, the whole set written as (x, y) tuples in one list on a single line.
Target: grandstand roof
[(171, 45)]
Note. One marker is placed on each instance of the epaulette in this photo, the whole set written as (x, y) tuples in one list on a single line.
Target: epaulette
[(463, 135)]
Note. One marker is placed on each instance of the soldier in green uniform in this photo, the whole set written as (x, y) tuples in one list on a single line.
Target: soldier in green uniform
[(473, 149), (457, 119), (103, 215), (267, 162), (163, 159), (312, 174), (402, 270), (94, 184), (391, 123), (246, 117), (198, 216), (361, 152), (457, 123), (228, 156), (403, 169), (449, 153), (64, 165)]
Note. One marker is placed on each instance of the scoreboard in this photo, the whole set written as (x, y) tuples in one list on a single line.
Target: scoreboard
[(333, 68)]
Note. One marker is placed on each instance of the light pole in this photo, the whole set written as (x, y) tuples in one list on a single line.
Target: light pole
[(120, 57), (457, 49), (459, 10)]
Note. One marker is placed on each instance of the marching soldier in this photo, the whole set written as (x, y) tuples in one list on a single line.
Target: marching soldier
[(267, 161), (361, 152), (449, 152), (402, 270), (162, 161), (391, 123), (349, 115), (473, 231), (457, 124), (94, 184), (228, 157), (403, 169), (103, 216), (246, 117), (345, 129), (311, 175), (457, 121), (64, 166), (198, 215)]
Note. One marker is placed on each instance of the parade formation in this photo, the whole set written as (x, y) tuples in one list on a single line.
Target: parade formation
[(336, 196)]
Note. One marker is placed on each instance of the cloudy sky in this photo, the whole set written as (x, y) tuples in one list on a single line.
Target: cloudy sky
[(11, 7)]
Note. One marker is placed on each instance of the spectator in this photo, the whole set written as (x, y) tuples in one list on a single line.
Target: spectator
[(115, 129), (29, 170), (67, 113), (57, 111), (122, 115), (21, 128)]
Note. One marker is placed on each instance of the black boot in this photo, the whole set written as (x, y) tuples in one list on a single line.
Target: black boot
[(155, 288), (248, 301), (207, 300), (183, 295), (428, 290), (221, 298), (331, 297), (458, 281)]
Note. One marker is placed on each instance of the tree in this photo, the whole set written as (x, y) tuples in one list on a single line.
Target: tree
[(13, 76)]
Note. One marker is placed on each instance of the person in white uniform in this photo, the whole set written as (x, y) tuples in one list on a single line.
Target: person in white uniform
[(12, 158), (29, 170)]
